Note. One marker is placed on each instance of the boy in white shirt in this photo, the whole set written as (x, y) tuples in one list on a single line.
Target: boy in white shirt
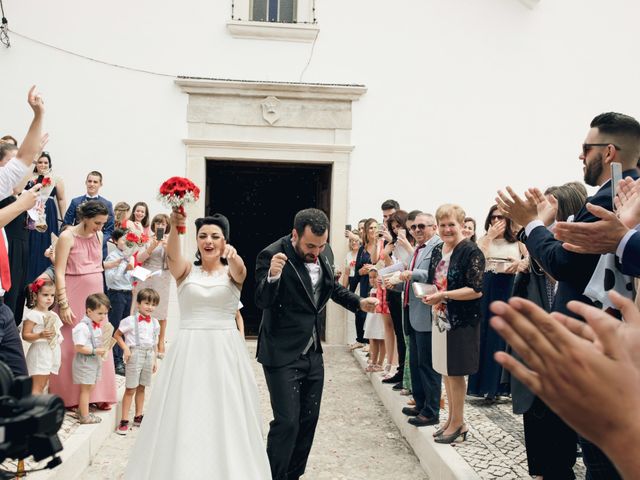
[(87, 364), (137, 335)]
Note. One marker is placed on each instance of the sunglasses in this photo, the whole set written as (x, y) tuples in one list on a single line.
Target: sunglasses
[(588, 146), (420, 226), (497, 217)]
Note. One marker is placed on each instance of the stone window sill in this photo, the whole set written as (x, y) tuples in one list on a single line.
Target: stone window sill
[(292, 32)]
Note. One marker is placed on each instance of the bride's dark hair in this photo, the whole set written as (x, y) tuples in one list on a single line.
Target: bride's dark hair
[(215, 219)]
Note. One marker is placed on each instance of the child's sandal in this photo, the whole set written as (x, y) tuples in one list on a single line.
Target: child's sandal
[(89, 419)]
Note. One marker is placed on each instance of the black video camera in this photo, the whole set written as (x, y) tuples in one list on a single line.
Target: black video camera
[(29, 424)]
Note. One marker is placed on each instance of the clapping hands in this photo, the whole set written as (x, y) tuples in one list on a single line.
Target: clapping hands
[(627, 202), (521, 211), (546, 205), (574, 366)]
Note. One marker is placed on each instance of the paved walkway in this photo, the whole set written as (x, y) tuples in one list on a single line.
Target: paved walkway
[(355, 439), (495, 446)]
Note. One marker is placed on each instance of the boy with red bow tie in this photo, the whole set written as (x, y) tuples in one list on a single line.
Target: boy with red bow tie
[(87, 364), (137, 335)]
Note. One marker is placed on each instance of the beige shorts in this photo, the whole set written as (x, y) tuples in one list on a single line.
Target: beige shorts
[(86, 369), (139, 368)]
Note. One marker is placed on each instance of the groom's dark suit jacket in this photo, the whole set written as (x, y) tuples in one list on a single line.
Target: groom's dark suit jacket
[(572, 270), (289, 308)]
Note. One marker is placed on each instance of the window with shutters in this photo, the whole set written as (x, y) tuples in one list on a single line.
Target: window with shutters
[(288, 20)]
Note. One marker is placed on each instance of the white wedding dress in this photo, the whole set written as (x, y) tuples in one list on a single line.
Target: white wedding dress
[(203, 419)]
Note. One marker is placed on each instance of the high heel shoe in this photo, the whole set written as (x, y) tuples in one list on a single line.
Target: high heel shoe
[(453, 437), (440, 431)]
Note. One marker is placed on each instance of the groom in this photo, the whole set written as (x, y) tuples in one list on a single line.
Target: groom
[(295, 281)]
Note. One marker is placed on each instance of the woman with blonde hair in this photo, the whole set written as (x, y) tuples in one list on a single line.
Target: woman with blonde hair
[(457, 268), (121, 215)]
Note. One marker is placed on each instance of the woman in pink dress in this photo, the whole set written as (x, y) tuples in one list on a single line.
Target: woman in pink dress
[(78, 270)]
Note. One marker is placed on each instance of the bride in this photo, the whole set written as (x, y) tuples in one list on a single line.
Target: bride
[(203, 419)]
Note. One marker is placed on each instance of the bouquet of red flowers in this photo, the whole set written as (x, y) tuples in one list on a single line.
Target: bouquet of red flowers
[(177, 192), (132, 242)]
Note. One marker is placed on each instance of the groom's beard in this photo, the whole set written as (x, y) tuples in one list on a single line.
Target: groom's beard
[(306, 257)]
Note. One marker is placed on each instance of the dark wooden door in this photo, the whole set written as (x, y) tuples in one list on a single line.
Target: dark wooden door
[(260, 200)]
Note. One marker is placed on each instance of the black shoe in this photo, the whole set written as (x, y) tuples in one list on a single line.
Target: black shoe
[(421, 421), (395, 379), (410, 411), (397, 386), (451, 438)]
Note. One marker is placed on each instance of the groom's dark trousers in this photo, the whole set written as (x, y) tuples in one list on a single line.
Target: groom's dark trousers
[(290, 351), (295, 390)]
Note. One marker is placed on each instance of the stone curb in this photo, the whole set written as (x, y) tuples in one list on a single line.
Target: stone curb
[(441, 462), (83, 444)]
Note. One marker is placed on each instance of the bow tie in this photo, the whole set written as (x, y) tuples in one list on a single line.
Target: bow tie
[(96, 325), (144, 318)]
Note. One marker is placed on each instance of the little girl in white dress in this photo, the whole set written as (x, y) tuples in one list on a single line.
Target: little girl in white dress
[(41, 328)]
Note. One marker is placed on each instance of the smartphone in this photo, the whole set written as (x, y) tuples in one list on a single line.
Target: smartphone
[(616, 176), (159, 233), (347, 227)]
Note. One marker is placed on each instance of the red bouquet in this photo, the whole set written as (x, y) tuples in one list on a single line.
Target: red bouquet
[(132, 239), (46, 181), (177, 192)]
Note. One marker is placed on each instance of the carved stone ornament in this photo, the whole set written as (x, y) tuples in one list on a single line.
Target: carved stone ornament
[(270, 107)]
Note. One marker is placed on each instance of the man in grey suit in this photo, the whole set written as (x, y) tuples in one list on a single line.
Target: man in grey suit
[(425, 381)]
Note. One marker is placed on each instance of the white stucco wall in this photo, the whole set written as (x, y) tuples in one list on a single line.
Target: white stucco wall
[(464, 96)]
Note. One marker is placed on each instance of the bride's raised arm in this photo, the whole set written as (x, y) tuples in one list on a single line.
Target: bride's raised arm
[(237, 268), (178, 265)]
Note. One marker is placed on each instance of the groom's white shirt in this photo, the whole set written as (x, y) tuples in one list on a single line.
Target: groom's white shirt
[(314, 272)]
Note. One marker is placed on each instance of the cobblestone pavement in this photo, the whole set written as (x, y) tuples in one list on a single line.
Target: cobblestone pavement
[(355, 439), (495, 448)]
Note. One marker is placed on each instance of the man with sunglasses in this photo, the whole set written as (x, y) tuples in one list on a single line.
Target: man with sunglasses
[(613, 137), (425, 381)]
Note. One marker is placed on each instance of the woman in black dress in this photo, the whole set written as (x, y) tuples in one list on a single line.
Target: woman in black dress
[(457, 268)]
